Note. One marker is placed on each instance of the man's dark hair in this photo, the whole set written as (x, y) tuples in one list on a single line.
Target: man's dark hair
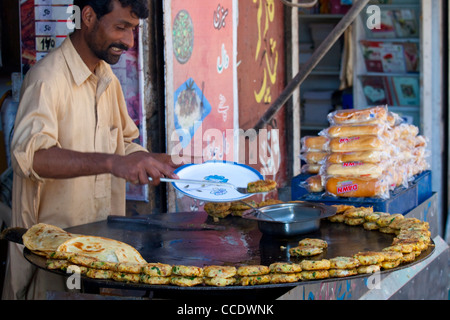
[(103, 7)]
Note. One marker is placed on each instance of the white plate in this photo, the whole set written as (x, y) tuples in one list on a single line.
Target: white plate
[(222, 171)]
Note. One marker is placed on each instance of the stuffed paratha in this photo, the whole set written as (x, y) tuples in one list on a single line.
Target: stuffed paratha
[(44, 239), (103, 249)]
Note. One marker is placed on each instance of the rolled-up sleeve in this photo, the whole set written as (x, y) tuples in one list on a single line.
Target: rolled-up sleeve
[(35, 127)]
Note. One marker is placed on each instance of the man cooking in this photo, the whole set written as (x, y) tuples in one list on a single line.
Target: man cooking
[(72, 149)]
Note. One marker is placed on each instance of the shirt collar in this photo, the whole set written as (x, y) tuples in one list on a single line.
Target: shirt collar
[(80, 71)]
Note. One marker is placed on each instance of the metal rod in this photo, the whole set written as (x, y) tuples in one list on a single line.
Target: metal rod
[(317, 55)]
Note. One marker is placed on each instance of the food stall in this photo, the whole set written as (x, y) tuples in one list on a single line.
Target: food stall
[(187, 239), (236, 238), (274, 249)]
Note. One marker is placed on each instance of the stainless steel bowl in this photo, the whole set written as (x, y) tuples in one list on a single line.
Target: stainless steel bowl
[(290, 219)]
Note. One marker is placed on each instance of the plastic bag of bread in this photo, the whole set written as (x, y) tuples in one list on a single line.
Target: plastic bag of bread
[(419, 166), (378, 114), (407, 143), (313, 184), (355, 169), (414, 167), (337, 131), (397, 173), (393, 119), (314, 157), (410, 148), (420, 152), (410, 169), (358, 143), (369, 156), (421, 141), (358, 187), (314, 143), (404, 130), (311, 168)]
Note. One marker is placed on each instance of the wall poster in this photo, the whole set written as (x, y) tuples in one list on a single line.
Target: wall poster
[(201, 99), (44, 26), (261, 74)]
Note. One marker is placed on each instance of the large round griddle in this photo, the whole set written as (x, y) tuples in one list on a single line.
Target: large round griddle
[(238, 242)]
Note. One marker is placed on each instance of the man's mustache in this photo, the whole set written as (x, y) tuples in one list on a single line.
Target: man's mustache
[(119, 46)]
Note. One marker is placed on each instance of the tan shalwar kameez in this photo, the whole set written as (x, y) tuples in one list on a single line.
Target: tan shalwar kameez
[(64, 104)]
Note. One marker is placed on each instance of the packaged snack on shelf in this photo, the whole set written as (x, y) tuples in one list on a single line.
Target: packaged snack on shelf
[(364, 153), (369, 156), (314, 157), (419, 166), (338, 131), (358, 143), (311, 168), (421, 141), (393, 119), (378, 114), (355, 169), (358, 187), (314, 143), (314, 184), (404, 130), (397, 173)]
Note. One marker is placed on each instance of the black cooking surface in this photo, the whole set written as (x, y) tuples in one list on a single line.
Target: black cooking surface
[(181, 238), (240, 242)]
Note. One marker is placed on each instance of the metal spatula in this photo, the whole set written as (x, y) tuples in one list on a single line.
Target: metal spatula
[(242, 190), (255, 209)]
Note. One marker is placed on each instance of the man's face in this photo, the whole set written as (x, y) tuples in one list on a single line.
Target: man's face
[(113, 34)]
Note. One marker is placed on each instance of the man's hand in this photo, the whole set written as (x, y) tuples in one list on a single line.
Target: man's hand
[(139, 166), (165, 158), (57, 163)]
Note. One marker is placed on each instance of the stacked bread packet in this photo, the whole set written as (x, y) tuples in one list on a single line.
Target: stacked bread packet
[(411, 154), (314, 151), (367, 153)]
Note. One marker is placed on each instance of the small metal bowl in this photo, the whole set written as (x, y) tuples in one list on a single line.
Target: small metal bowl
[(290, 219)]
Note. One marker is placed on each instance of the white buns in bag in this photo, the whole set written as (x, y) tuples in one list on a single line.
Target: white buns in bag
[(357, 187), (397, 172), (404, 130), (378, 114), (421, 141), (314, 157), (357, 143), (311, 168), (354, 169), (313, 184), (369, 156), (314, 143), (354, 130)]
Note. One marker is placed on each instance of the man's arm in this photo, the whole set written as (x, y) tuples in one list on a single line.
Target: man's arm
[(57, 163)]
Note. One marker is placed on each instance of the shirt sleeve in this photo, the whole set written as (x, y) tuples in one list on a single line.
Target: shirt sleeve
[(35, 127)]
